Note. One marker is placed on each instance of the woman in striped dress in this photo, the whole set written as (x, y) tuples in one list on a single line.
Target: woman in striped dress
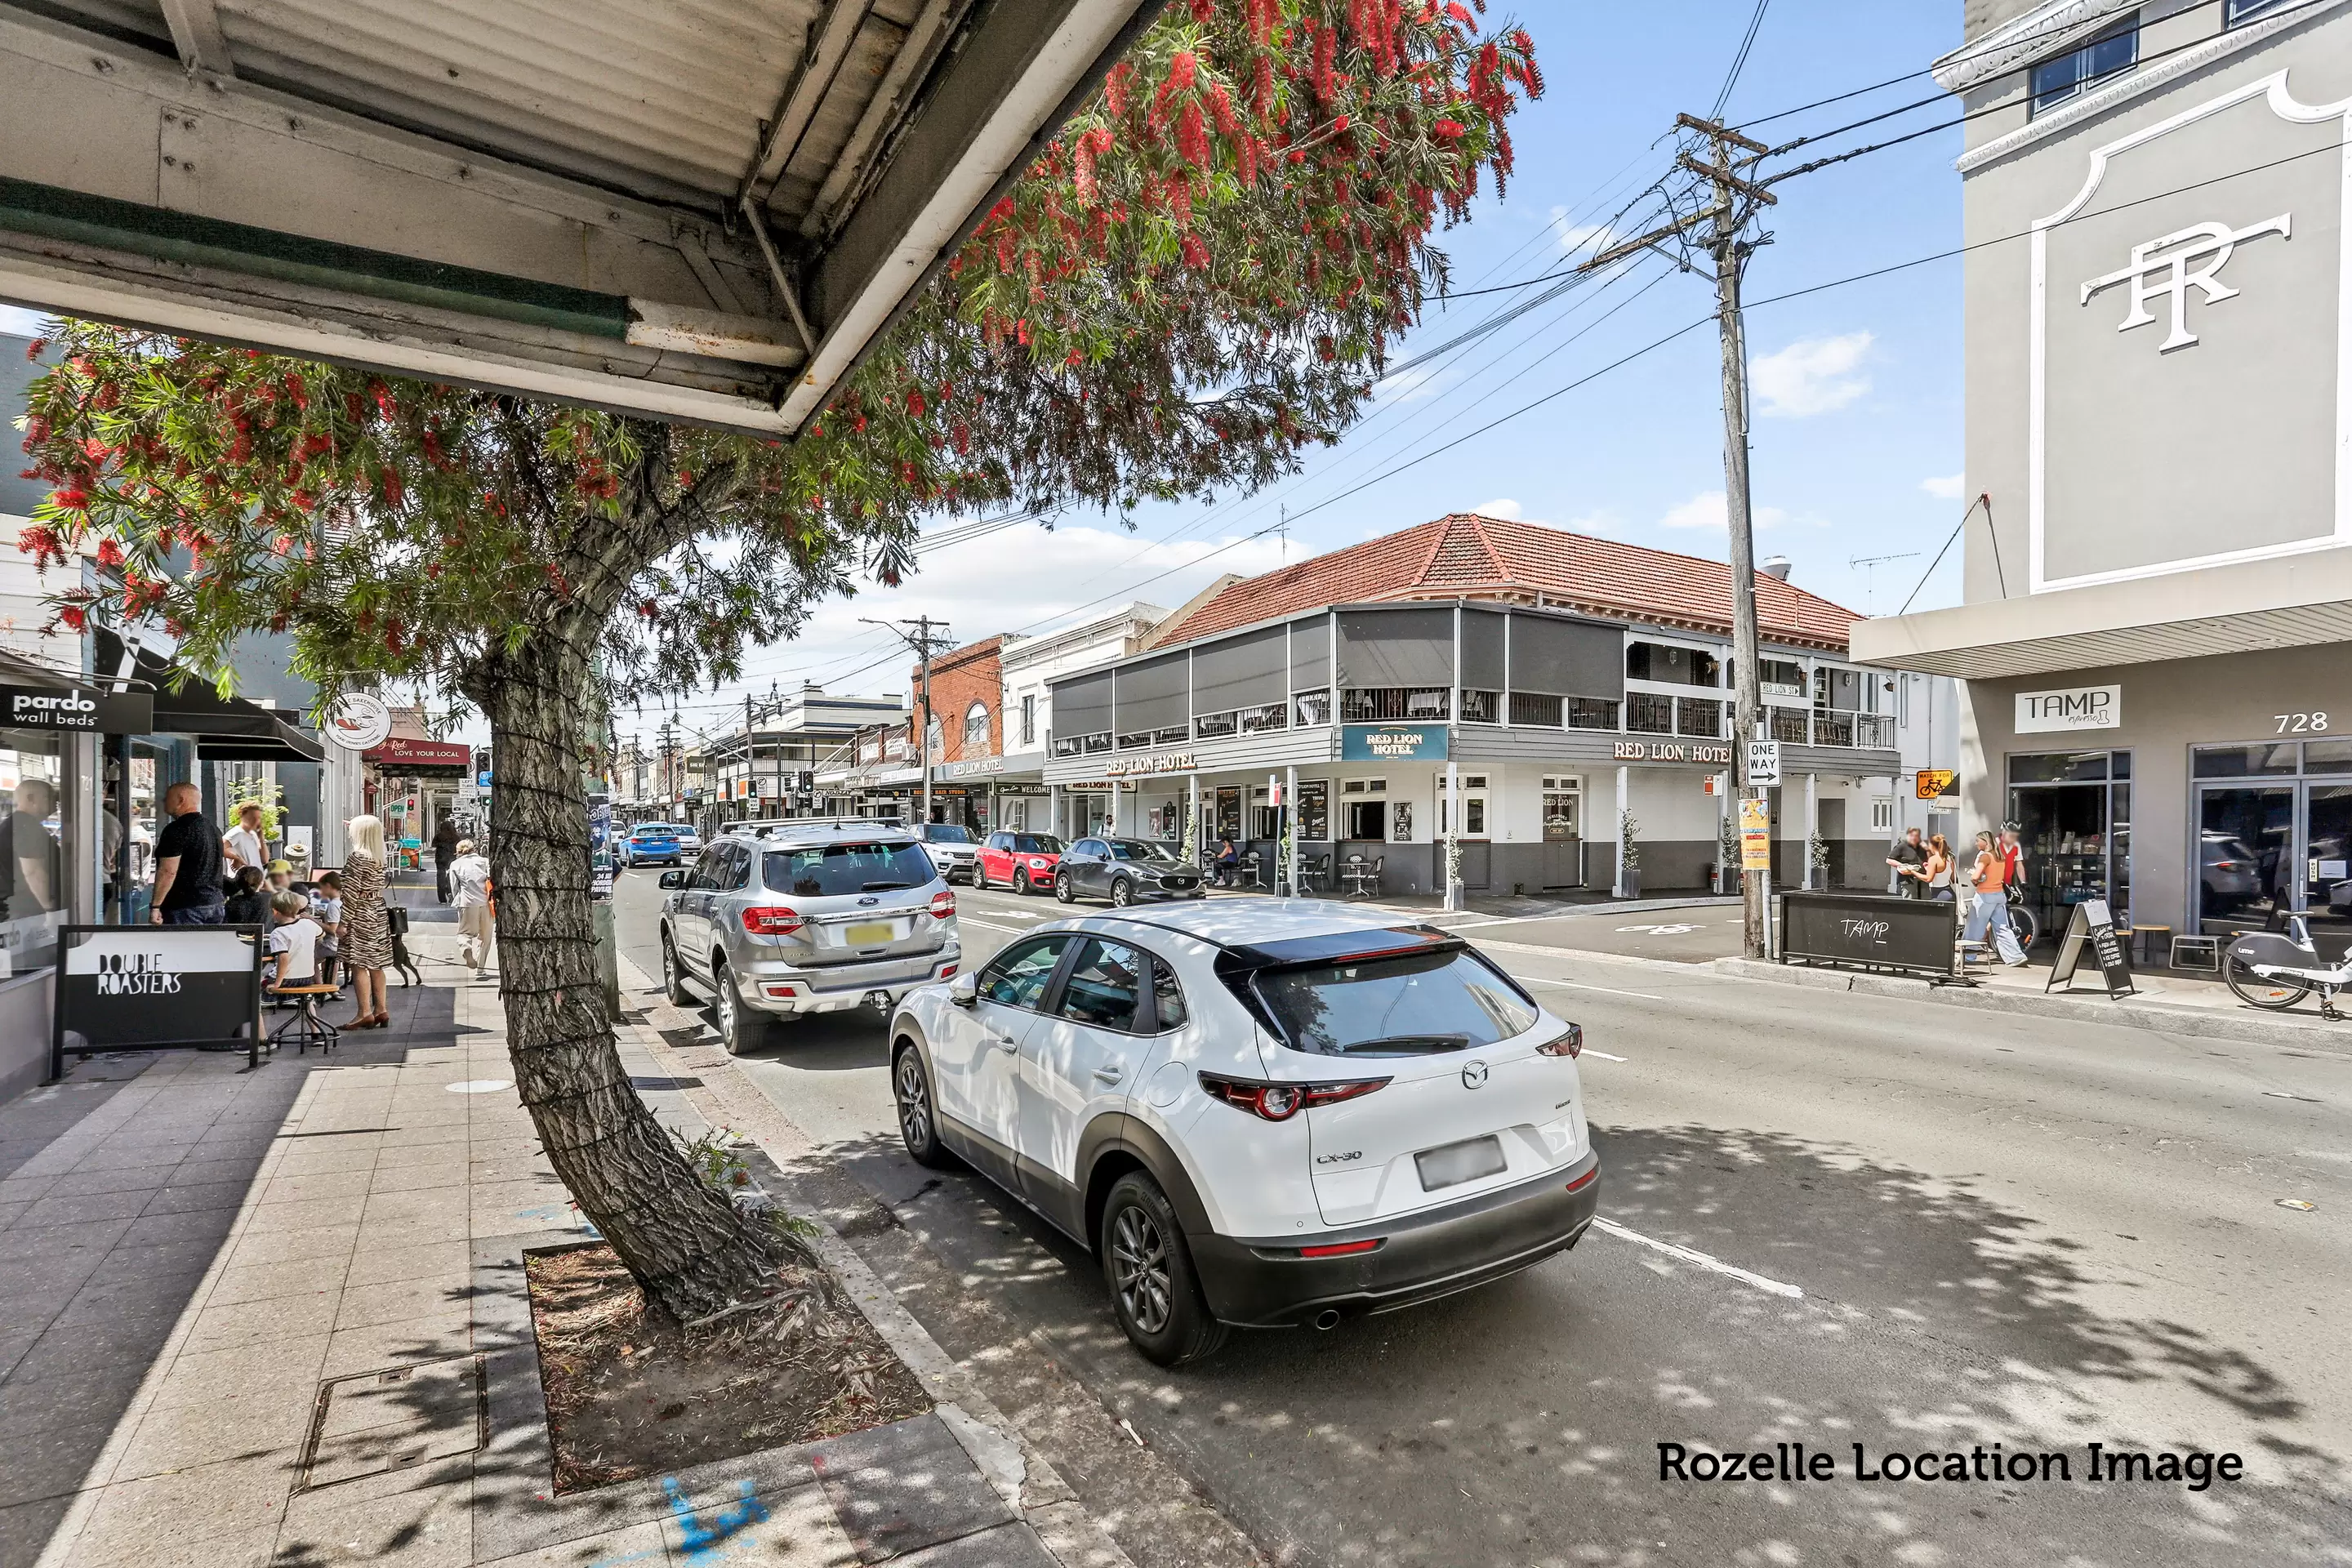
[(367, 933)]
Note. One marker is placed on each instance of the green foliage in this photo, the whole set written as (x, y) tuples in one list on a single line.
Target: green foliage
[(1193, 282), (1628, 830)]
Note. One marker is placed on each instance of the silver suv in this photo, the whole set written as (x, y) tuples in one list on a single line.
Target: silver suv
[(779, 920)]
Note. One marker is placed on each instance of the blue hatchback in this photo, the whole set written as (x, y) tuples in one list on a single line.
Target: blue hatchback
[(659, 844)]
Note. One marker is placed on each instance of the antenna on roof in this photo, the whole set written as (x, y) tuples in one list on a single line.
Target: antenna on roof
[(1285, 527), (1870, 564)]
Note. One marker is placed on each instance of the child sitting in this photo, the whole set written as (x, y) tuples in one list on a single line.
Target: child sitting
[(249, 899), (327, 909), (293, 943)]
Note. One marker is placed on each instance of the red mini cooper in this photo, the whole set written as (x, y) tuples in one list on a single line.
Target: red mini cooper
[(1024, 862)]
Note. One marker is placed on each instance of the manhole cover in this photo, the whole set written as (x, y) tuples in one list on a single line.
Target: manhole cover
[(377, 1421)]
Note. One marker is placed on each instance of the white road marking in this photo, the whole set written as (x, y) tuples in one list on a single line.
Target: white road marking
[(1573, 985), (1713, 1265), (991, 925), (1604, 1056), (1660, 929)]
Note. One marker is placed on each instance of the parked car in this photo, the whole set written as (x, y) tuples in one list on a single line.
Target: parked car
[(954, 850), (1125, 871), (1024, 862), (1257, 1113), (660, 844), (811, 918)]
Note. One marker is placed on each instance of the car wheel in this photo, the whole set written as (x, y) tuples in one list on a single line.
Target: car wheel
[(1154, 1292), (1123, 893), (673, 976), (980, 879), (910, 1086), (1063, 893), (742, 1029), (1021, 885)]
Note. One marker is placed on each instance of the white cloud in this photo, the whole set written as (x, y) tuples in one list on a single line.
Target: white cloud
[(1412, 386), (1811, 375), (1507, 510), (1707, 509), (17, 321), (1581, 238), (1948, 488)]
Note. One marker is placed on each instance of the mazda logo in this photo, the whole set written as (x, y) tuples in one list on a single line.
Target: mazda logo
[(1475, 1076)]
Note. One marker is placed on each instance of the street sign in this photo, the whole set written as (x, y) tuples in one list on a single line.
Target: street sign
[(1934, 784), (1755, 835), (1763, 761)]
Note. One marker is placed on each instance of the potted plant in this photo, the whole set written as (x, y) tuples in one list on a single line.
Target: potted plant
[(1629, 853), (1817, 851), (1727, 857)]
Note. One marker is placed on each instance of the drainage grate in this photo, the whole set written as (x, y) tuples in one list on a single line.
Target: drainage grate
[(373, 1422)]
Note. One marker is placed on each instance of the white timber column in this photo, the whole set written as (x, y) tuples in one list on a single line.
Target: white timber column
[(1193, 822), (1450, 854), (1053, 810), (1812, 822), (1290, 817), (1617, 830)]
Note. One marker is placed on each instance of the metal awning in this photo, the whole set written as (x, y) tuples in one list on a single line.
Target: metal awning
[(699, 212), (226, 729), (2292, 601)]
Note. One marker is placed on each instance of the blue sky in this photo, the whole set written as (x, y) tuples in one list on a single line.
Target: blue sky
[(1856, 438)]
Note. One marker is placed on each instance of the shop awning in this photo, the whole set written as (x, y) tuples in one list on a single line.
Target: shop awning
[(226, 729)]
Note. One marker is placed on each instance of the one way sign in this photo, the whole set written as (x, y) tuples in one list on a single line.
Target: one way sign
[(1763, 761)]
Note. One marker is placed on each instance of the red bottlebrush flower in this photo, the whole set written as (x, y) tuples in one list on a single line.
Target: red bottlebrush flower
[(1448, 129), (1192, 136), (915, 405), (1340, 124), (392, 489), (73, 497), (1221, 105), (295, 390), (1327, 43), (278, 622), (384, 403), (1298, 156), (72, 615), (110, 553), (1196, 255), (1114, 88), (97, 450), (36, 348), (433, 571), (649, 609), (1204, 11)]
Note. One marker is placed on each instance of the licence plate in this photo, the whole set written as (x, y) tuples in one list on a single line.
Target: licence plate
[(1458, 1162), (874, 934)]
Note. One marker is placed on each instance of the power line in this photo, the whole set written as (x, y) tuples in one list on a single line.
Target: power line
[(1738, 62)]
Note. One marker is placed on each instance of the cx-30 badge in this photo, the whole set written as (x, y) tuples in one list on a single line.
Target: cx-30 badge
[(1474, 1076)]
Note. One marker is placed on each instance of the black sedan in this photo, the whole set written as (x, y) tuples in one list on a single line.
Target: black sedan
[(1124, 871)]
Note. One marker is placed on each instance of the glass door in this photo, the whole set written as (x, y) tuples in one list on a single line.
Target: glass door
[(2327, 867), (2246, 856)]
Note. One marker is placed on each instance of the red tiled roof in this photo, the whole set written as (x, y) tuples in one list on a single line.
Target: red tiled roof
[(1466, 556)]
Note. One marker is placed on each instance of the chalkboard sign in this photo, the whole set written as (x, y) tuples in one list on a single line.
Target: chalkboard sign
[(2092, 928), (132, 988), (1868, 930)]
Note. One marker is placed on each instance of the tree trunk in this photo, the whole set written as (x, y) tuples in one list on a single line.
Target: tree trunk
[(686, 1245)]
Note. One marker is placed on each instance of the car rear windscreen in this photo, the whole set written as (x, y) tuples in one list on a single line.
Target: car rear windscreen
[(1405, 1005), (1036, 844), (828, 870)]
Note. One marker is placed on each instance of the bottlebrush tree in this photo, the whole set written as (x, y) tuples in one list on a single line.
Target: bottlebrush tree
[(1193, 282)]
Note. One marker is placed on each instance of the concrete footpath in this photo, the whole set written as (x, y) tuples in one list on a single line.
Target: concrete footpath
[(278, 1317)]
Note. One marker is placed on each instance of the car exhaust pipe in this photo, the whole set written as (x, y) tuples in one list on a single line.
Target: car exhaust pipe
[(1328, 1318)]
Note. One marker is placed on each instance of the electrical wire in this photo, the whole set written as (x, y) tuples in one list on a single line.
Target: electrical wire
[(1738, 62)]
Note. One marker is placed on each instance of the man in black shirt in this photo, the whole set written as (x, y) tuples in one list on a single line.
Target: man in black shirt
[(1907, 857), (188, 890), (28, 853)]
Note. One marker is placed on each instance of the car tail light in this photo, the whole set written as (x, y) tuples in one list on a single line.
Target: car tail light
[(942, 905), (1571, 1044), (948, 973), (773, 921), (1281, 1101), (1585, 1180), (1342, 1248)]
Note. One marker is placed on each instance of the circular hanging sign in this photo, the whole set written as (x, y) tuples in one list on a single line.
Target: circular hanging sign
[(359, 722)]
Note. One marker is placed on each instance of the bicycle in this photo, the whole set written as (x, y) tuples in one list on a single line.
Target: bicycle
[(2022, 918), (2272, 972)]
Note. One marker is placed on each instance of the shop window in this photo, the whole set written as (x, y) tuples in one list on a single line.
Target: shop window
[(2245, 762), (1315, 811), (2062, 767), (1368, 819), (1562, 799), (1267, 820), (1365, 786), (1882, 814), (42, 819), (2327, 756)]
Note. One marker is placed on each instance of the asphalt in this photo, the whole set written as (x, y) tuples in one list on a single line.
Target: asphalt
[(1893, 1224)]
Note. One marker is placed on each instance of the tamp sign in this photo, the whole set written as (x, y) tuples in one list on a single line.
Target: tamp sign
[(2079, 708)]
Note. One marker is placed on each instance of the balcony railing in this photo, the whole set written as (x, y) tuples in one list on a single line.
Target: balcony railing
[(1482, 707), (1382, 704), (1649, 715), (1698, 716), (1592, 713), (1792, 726)]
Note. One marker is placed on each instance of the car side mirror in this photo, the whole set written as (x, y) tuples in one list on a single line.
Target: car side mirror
[(964, 989), (672, 881)]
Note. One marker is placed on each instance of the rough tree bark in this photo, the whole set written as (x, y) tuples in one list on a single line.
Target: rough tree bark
[(686, 1245)]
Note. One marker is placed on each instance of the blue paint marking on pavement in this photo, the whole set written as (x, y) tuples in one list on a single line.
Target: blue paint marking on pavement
[(704, 1542)]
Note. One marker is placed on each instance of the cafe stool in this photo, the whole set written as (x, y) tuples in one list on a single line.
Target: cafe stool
[(307, 1027), (2150, 941)]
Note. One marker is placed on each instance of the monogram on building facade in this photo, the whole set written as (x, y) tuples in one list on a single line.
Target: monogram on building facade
[(2160, 270)]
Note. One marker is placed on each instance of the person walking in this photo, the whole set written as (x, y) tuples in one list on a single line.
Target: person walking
[(446, 848), (469, 890), (367, 931), (243, 844), (188, 890), (1907, 857), (1988, 915)]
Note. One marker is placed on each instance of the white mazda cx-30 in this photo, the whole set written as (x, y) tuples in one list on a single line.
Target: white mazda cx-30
[(1258, 1114)]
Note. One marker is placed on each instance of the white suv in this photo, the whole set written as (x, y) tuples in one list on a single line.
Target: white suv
[(1260, 1113)]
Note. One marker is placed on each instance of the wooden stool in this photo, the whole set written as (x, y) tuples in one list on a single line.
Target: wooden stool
[(2150, 938), (306, 1027)]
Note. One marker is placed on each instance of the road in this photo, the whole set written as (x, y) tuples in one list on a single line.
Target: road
[(1898, 1224)]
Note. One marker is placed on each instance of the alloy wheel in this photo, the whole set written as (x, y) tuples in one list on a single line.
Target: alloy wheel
[(1139, 1272), (1123, 893), (914, 1101)]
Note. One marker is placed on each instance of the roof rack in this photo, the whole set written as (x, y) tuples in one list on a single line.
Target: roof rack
[(764, 827)]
